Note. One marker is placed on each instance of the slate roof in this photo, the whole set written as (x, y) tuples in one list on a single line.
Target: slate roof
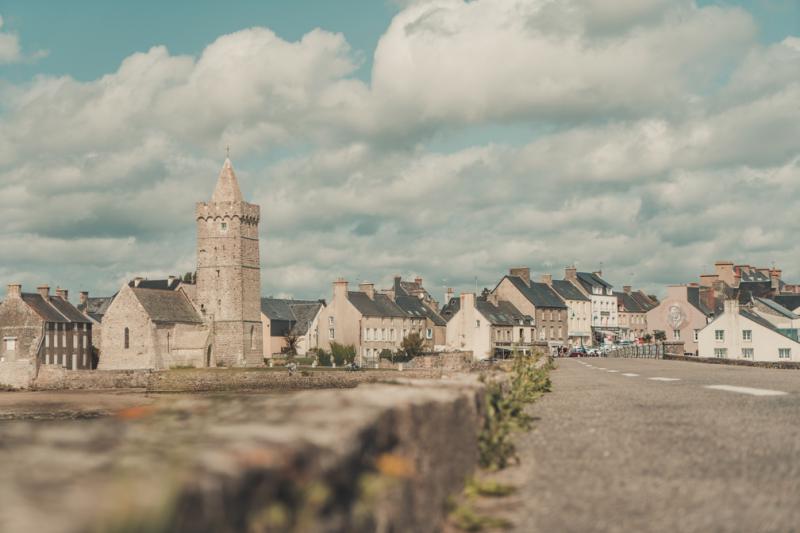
[(417, 308), (381, 306), (290, 317), (539, 294), (96, 307), (502, 314), (778, 308), (644, 301), (629, 303), (693, 297), (568, 291), (167, 306), (590, 279), (752, 274), (748, 290), (54, 309), (450, 308), (789, 301), (766, 323), (158, 284)]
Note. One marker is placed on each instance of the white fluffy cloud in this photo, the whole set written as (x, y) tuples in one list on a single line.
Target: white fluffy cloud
[(663, 136), (9, 46)]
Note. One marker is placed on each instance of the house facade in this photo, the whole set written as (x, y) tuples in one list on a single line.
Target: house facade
[(632, 310), (487, 327), (282, 318), (682, 314), (412, 298), (44, 329), (739, 333), (537, 300), (579, 311), (605, 314)]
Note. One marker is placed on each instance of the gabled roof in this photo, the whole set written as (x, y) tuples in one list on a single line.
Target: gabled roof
[(502, 314), (304, 313), (789, 301), (227, 189), (54, 309), (748, 290), (764, 322), (289, 316), (167, 306), (539, 294), (590, 279), (415, 307), (96, 306), (158, 284), (381, 306), (643, 300), (629, 303), (778, 308), (568, 291), (693, 297)]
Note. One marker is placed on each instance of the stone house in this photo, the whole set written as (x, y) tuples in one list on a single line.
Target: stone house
[(155, 329), (739, 333), (487, 327), (632, 308), (681, 315), (418, 302), (44, 329), (368, 320), (282, 317), (605, 313), (537, 300), (579, 311), (94, 308)]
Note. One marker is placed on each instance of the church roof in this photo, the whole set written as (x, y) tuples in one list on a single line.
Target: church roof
[(227, 189), (167, 306)]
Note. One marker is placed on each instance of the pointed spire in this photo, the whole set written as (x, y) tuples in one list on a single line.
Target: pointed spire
[(227, 189)]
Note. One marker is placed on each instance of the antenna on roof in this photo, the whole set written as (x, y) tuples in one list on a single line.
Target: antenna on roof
[(476, 285), (228, 151)]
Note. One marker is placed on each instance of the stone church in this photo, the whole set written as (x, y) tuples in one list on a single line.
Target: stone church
[(216, 322)]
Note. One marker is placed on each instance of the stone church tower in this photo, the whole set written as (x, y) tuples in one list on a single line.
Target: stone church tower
[(229, 274)]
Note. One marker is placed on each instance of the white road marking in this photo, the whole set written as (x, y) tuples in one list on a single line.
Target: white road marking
[(630, 375), (612, 371), (747, 390), (664, 379), (600, 368)]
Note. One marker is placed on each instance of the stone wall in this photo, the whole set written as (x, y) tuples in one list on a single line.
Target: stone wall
[(736, 362), (450, 361), (382, 457), (17, 374)]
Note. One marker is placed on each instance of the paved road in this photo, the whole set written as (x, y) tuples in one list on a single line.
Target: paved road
[(623, 451)]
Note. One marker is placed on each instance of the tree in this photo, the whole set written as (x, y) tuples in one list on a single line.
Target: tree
[(660, 336), (291, 344), (343, 354), (386, 353), (413, 345), (647, 338), (323, 358)]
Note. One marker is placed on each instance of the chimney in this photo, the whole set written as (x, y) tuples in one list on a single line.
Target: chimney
[(62, 293), (44, 291), (522, 272), (170, 280), (418, 281), (598, 273), (707, 280), (340, 289), (84, 297), (467, 300), (775, 279), (448, 295), (492, 298), (626, 289), (570, 273), (14, 290), (732, 306), (136, 281), (367, 287), (724, 271), (548, 279)]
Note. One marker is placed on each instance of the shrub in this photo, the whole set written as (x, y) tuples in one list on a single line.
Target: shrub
[(343, 354), (323, 358)]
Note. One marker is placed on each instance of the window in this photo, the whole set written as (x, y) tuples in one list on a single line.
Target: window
[(428, 333), (721, 353), (695, 335), (747, 353), (331, 333), (784, 353), (127, 336), (477, 323), (252, 338), (47, 339), (85, 342), (747, 335), (330, 320), (168, 342), (719, 334), (224, 226), (676, 334), (11, 344)]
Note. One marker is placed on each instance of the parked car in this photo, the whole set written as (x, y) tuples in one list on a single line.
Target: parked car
[(578, 352)]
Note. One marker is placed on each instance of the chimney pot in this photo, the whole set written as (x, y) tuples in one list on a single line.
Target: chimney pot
[(62, 293), (570, 273), (84, 297), (522, 272), (14, 290), (368, 288), (43, 290), (547, 278)]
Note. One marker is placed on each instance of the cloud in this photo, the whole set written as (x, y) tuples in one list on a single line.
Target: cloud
[(661, 136), (9, 46)]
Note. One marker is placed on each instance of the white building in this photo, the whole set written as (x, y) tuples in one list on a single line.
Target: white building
[(486, 326), (740, 333), (605, 314)]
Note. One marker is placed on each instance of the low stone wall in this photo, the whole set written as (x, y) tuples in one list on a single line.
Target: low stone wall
[(449, 361), (216, 379), (382, 457), (16, 374), (735, 362)]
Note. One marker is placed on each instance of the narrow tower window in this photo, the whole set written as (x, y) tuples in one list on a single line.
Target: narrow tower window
[(127, 338)]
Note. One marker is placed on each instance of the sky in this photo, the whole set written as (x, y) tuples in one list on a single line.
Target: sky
[(446, 139)]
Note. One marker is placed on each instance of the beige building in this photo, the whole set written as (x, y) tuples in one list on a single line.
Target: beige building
[(155, 329), (537, 300), (579, 311), (368, 320), (487, 327), (412, 298), (632, 310), (739, 333), (681, 315), (605, 314), (282, 318)]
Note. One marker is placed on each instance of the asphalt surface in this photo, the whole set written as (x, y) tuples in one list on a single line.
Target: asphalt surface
[(615, 453)]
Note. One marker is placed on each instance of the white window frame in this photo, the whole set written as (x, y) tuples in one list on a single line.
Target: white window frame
[(12, 342), (332, 333), (784, 353), (721, 353), (429, 333), (747, 335), (719, 335), (748, 353)]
